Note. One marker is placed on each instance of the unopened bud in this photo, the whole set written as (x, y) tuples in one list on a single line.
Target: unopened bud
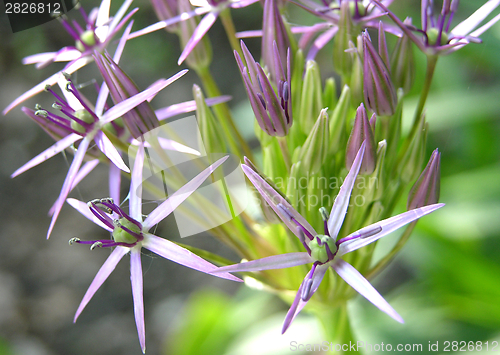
[(361, 131), (313, 152), (426, 190)]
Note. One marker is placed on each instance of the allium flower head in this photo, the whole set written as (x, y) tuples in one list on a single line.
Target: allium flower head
[(130, 233), (272, 106), (95, 35), (325, 250), (435, 36)]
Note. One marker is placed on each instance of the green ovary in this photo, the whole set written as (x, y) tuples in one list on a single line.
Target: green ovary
[(122, 236), (88, 38), (318, 252), (432, 36), (83, 115)]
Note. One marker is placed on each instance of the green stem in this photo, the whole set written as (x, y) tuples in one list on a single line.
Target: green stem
[(386, 259), (335, 322), (429, 74), (227, 22), (224, 115)]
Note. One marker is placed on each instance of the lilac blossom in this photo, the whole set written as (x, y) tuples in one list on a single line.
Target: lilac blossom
[(324, 250), (435, 37), (212, 9), (130, 233), (84, 123), (97, 33)]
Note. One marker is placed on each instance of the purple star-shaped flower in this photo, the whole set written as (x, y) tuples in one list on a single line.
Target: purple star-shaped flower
[(324, 250), (131, 233)]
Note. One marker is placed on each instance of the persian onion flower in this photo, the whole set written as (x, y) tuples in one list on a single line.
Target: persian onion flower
[(131, 233), (437, 39), (84, 123), (212, 9), (99, 30), (324, 250)]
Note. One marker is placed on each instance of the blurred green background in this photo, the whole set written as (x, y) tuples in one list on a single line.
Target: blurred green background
[(445, 283)]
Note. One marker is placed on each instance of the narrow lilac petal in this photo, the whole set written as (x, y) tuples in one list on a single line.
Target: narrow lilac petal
[(39, 58), (341, 202), (118, 16), (115, 179), (70, 68), (485, 27), (298, 303), (320, 42), (363, 286), (110, 151), (103, 273), (137, 295), (202, 28), (174, 200), (136, 185), (48, 153), (126, 105), (122, 42), (67, 54), (388, 225), (180, 255), (273, 198), (271, 262), (103, 13), (163, 24), (84, 171), (169, 144), (241, 3), (249, 34), (73, 102), (466, 26), (187, 106), (84, 209), (68, 182)]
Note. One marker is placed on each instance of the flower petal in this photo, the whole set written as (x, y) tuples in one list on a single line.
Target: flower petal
[(271, 262), (298, 303), (202, 28), (110, 151), (341, 202), (180, 255), (84, 209), (187, 106), (114, 182), (130, 103), (273, 198), (360, 284), (386, 226), (466, 26), (136, 186), (101, 276), (163, 210), (48, 153), (169, 144), (137, 294), (68, 182)]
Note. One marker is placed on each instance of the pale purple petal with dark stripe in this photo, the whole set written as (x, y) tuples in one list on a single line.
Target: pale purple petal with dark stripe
[(360, 284), (48, 153), (174, 200), (132, 102), (180, 255), (84, 171), (136, 186), (387, 226), (466, 26), (271, 262), (273, 198), (341, 202), (162, 24), (84, 209), (188, 106), (68, 182), (137, 294), (206, 22), (298, 303), (101, 276), (110, 151)]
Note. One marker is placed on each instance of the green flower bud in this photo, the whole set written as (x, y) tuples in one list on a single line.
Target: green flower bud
[(338, 135), (413, 158), (403, 63), (342, 61), (313, 152), (311, 101), (209, 127)]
